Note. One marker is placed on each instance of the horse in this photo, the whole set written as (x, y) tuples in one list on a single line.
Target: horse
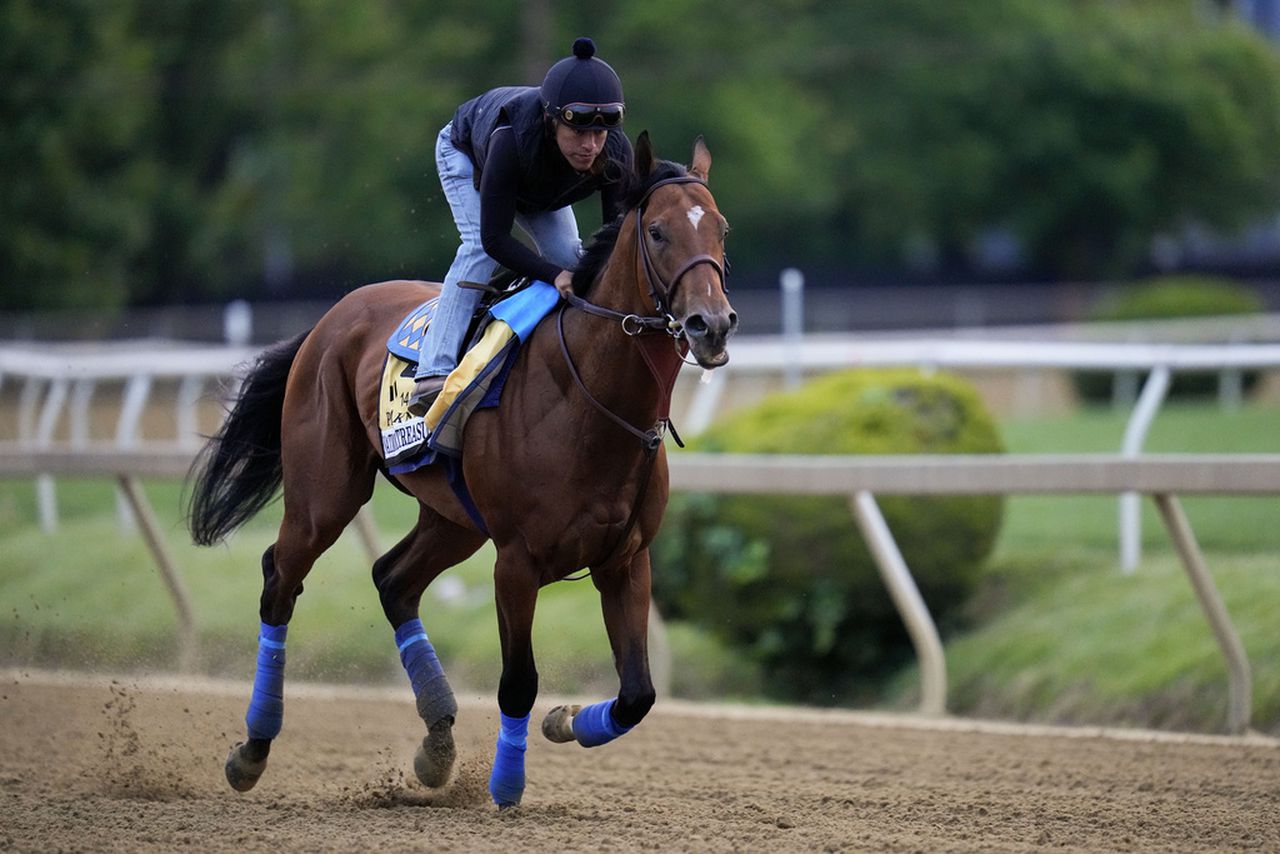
[(569, 472)]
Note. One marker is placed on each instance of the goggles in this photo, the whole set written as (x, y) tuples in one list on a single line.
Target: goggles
[(591, 115)]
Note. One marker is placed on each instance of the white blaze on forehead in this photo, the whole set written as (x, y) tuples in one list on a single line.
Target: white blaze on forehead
[(695, 215)]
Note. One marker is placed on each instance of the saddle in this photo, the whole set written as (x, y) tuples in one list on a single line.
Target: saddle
[(509, 310)]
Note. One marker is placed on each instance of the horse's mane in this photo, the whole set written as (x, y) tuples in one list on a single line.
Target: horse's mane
[(602, 242)]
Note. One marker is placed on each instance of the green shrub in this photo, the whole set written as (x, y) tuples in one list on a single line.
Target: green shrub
[(1168, 298), (788, 580)]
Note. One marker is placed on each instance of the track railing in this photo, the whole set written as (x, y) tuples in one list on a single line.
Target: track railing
[(59, 380), (860, 479), (1163, 477)]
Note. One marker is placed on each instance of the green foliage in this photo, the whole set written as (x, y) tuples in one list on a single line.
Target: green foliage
[(73, 200), (1179, 296), (197, 149), (1167, 298), (788, 580)]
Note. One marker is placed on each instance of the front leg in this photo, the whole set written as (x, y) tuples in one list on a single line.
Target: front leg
[(624, 600), (516, 589)]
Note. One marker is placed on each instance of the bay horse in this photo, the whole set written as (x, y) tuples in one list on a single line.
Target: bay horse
[(567, 473)]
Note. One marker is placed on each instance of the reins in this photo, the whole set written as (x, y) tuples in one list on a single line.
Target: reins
[(641, 329)]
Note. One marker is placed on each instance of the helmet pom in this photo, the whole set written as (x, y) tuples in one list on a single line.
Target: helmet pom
[(584, 48)]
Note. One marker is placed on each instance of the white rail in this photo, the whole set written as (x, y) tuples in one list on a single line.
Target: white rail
[(773, 355), (60, 373), (56, 374)]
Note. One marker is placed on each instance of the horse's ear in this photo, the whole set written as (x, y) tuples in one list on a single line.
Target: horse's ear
[(644, 155), (701, 159)]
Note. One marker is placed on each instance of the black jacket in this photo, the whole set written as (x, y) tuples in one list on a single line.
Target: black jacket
[(519, 168)]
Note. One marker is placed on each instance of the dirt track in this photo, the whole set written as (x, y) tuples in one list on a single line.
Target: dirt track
[(138, 766)]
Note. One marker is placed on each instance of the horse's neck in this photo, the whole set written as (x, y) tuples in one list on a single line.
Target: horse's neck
[(620, 285)]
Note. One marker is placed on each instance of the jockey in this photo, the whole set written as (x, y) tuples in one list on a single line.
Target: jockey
[(522, 155)]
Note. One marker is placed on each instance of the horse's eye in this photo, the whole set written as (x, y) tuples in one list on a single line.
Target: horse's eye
[(656, 233)]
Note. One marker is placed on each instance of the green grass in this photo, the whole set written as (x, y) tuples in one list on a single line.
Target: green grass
[(112, 610), (1068, 638), (1056, 632), (89, 597)]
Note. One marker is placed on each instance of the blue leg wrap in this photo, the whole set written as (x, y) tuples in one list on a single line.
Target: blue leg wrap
[(506, 784), (594, 725), (430, 688), (266, 707)]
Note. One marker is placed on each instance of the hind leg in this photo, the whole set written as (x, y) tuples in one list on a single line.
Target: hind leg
[(315, 515), (401, 576)]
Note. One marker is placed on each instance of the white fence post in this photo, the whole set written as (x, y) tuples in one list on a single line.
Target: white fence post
[(906, 596), (46, 494), (1135, 434), (792, 281), (136, 392)]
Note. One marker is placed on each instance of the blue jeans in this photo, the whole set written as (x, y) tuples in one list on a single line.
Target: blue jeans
[(554, 234)]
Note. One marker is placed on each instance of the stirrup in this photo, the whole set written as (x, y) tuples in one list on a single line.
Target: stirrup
[(425, 394)]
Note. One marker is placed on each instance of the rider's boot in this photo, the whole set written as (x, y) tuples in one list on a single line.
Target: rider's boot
[(425, 394)]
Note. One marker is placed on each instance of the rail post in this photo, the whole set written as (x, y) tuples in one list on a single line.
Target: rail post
[(906, 596), (1135, 434), (792, 282)]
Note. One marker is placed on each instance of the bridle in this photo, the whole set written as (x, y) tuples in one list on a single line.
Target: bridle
[(637, 326), (642, 329)]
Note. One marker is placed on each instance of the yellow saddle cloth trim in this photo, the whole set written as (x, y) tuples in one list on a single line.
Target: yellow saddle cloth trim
[(495, 338)]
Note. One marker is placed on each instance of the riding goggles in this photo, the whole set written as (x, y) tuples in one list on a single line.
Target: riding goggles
[(591, 115)]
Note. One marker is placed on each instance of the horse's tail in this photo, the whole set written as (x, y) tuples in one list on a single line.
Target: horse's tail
[(239, 470)]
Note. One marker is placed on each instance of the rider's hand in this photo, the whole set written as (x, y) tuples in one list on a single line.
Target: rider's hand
[(564, 283)]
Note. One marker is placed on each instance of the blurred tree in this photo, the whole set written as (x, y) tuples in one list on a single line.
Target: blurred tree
[(73, 206), (898, 134), (199, 119), (347, 170), (197, 149)]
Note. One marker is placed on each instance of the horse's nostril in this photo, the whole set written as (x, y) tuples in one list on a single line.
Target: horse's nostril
[(695, 324), (733, 321)]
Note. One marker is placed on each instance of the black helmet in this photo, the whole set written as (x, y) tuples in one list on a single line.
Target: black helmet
[(583, 91)]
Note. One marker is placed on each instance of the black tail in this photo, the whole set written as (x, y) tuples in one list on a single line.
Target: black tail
[(239, 471)]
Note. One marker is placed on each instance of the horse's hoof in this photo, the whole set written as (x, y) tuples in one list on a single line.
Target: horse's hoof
[(243, 774), (434, 760), (557, 726)]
